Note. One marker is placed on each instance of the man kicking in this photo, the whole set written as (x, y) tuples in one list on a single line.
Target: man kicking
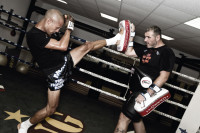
[(51, 58)]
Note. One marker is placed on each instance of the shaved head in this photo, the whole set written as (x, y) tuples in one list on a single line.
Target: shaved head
[(52, 21), (54, 14)]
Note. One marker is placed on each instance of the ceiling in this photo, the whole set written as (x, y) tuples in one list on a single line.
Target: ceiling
[(169, 15)]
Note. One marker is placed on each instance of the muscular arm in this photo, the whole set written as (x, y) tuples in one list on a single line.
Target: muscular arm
[(160, 80), (62, 44)]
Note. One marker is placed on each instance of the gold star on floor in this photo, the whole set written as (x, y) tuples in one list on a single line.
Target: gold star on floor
[(17, 116)]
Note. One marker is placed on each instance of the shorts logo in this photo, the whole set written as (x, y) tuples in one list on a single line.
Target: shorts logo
[(146, 82)]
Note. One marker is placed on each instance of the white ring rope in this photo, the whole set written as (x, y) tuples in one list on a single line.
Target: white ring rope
[(108, 63), (135, 59), (103, 78), (128, 70), (186, 76), (98, 90), (123, 99), (177, 104), (179, 88), (166, 115), (121, 54), (123, 85)]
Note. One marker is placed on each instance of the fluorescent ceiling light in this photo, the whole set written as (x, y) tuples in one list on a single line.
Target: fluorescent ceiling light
[(109, 17), (194, 23), (62, 1), (166, 37)]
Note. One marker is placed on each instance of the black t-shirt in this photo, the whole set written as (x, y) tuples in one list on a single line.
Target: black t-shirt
[(46, 58), (154, 60)]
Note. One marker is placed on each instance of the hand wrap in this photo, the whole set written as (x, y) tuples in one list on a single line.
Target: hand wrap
[(69, 22)]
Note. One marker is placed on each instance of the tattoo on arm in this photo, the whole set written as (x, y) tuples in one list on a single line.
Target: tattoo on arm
[(119, 130)]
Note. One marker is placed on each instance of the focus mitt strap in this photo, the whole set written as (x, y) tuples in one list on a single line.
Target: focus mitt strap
[(152, 102), (132, 34), (146, 95), (130, 44), (125, 24), (155, 88)]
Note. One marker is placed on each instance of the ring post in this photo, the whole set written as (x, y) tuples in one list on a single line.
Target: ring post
[(190, 121)]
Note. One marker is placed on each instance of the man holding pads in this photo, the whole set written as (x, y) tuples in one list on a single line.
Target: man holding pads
[(156, 61)]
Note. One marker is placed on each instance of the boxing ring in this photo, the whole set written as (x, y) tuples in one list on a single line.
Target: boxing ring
[(191, 110)]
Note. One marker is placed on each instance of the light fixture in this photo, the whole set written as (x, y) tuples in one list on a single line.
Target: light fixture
[(166, 37), (62, 1), (109, 17), (194, 23)]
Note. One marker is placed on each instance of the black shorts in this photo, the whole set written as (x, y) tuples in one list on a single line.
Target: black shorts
[(128, 107), (57, 79)]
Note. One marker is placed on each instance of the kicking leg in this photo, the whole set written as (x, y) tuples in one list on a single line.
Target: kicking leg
[(78, 53)]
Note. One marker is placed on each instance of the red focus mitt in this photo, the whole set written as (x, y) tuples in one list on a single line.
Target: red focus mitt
[(126, 25), (151, 102)]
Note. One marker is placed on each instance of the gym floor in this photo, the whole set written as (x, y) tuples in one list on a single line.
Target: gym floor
[(26, 94)]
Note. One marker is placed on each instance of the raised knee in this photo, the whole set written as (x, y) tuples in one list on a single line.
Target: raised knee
[(87, 46)]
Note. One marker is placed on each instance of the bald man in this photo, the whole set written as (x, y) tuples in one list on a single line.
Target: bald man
[(51, 58)]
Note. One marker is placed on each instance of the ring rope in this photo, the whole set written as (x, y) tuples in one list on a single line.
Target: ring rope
[(166, 115), (18, 16), (102, 77), (121, 98), (121, 54), (98, 90), (186, 76), (98, 76), (177, 104), (28, 63), (113, 51), (14, 44), (108, 63), (179, 88), (123, 85), (12, 27), (128, 70)]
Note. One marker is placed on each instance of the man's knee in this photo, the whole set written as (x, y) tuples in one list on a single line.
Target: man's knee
[(124, 119), (50, 110), (87, 46)]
